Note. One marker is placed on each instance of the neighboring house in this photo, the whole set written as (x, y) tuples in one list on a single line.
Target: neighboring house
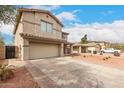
[(102, 44), (38, 34), (86, 48)]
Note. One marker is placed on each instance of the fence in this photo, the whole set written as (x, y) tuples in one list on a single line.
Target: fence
[(2, 51), (11, 52), (7, 52)]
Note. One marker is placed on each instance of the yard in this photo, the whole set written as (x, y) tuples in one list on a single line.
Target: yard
[(22, 79), (63, 72), (106, 59)]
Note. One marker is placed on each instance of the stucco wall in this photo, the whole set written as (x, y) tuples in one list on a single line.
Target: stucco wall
[(102, 45), (32, 20), (18, 41)]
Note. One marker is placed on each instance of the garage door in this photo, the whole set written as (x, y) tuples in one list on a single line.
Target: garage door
[(43, 50)]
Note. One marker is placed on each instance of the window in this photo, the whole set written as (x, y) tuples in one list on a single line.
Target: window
[(43, 26), (46, 27), (49, 27), (64, 37)]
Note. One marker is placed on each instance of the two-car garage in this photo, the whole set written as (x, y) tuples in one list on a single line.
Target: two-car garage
[(42, 50)]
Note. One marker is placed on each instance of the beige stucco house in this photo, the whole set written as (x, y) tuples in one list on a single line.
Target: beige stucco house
[(102, 44), (89, 47), (38, 34), (86, 48)]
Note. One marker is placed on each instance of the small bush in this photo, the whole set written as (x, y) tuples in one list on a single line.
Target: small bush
[(116, 53), (109, 57), (104, 59), (6, 71), (84, 56)]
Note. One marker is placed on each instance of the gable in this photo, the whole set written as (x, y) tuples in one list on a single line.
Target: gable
[(36, 11)]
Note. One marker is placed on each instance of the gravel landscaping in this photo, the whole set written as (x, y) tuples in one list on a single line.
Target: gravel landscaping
[(22, 79), (112, 61)]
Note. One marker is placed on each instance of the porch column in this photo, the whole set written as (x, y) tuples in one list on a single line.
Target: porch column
[(25, 50), (62, 49), (71, 49), (79, 49)]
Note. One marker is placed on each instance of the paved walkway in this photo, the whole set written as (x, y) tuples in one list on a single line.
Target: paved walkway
[(67, 72)]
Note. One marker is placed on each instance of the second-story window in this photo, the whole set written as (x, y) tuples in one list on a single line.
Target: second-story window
[(46, 27), (49, 27), (64, 37), (43, 26)]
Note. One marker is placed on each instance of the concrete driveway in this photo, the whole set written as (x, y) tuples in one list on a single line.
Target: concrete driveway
[(70, 73)]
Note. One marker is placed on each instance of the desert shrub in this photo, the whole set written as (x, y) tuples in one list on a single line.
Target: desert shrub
[(109, 57), (84, 56), (106, 58), (116, 53), (6, 71)]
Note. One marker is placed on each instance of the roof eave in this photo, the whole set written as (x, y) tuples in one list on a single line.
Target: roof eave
[(18, 17), (44, 11)]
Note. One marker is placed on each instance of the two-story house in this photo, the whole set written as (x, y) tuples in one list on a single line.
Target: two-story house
[(38, 34)]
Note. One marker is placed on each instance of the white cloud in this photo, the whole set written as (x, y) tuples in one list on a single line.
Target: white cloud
[(70, 16), (6, 29), (75, 11), (107, 12), (111, 32), (45, 7)]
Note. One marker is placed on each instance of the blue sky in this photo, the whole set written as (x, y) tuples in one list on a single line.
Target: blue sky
[(84, 18), (91, 14)]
